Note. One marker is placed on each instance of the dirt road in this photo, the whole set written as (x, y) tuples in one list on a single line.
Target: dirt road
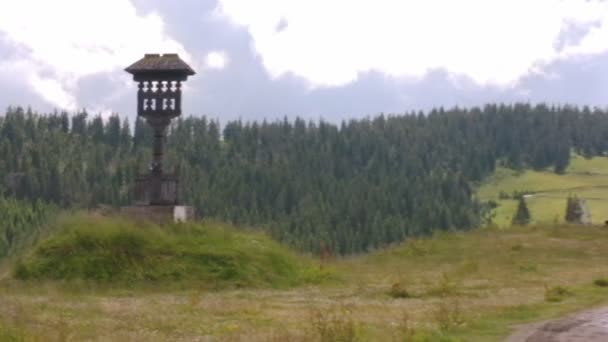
[(588, 326)]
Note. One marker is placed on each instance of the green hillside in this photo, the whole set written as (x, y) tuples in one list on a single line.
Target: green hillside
[(119, 251), (584, 178)]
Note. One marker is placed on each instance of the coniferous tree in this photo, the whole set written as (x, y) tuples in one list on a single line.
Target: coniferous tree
[(522, 214)]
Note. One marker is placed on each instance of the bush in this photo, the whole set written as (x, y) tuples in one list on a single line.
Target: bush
[(448, 315), (446, 287), (601, 282), (398, 291), (518, 247), (502, 195), (556, 293)]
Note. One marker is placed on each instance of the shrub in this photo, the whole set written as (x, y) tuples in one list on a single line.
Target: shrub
[(518, 247), (445, 287), (601, 282), (503, 195), (556, 293), (398, 291), (448, 315)]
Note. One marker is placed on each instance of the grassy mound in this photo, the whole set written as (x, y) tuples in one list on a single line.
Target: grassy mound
[(117, 249)]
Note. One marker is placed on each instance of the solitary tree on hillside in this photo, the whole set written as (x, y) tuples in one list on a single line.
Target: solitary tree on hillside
[(572, 209), (522, 215)]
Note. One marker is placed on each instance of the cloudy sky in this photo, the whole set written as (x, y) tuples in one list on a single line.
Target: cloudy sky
[(334, 60)]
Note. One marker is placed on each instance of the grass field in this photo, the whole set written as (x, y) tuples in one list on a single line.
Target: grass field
[(469, 286), (585, 178)]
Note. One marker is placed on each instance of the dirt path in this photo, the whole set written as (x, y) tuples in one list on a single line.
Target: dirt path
[(587, 326)]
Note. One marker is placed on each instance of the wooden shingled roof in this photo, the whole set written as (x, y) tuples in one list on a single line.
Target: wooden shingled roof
[(155, 64)]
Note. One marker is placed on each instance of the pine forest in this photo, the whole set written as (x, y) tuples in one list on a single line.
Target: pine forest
[(349, 187)]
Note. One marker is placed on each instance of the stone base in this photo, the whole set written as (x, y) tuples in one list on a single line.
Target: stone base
[(159, 213)]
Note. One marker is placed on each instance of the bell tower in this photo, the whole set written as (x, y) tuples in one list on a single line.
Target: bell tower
[(159, 100)]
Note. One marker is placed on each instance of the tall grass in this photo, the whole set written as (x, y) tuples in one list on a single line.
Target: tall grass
[(119, 250)]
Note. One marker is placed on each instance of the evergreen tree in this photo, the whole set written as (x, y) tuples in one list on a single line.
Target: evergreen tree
[(522, 214)]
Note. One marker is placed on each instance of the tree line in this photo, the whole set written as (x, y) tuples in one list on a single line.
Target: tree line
[(351, 187)]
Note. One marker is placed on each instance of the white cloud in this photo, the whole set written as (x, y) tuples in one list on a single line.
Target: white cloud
[(53, 91), (493, 42), (216, 60), (61, 41)]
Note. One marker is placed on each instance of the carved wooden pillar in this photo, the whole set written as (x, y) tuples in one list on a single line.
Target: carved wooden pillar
[(158, 101)]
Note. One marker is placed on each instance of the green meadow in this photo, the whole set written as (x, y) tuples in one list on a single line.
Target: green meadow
[(110, 279), (584, 178)]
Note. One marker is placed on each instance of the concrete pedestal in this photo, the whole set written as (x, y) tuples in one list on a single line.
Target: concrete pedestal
[(160, 213)]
